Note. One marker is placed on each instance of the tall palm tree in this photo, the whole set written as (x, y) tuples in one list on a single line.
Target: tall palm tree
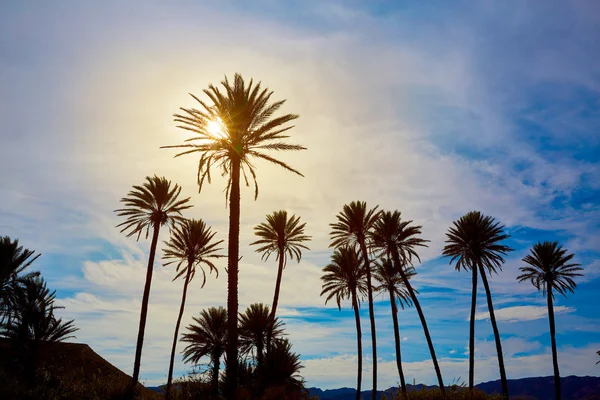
[(474, 242), (255, 327), (549, 268), (14, 259), (391, 282), (153, 204), (397, 239), (283, 236), (352, 228), (207, 337), (344, 278), (232, 131), (191, 247)]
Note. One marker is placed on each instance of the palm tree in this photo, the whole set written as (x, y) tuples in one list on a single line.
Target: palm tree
[(474, 242), (284, 237), (14, 259), (344, 279), (549, 268), (232, 131), (33, 316), (390, 282), (282, 367), (352, 228), (255, 326), (191, 246), (153, 204), (207, 337), (397, 239)]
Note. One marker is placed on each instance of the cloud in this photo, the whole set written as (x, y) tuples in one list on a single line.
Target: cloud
[(522, 313)]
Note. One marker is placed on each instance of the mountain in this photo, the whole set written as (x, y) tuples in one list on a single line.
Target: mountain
[(540, 388)]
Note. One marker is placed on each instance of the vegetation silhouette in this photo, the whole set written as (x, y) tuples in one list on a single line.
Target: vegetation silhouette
[(473, 242), (353, 227), (549, 269), (191, 246), (207, 337), (247, 130), (391, 283), (283, 236), (151, 205), (344, 278), (397, 239)]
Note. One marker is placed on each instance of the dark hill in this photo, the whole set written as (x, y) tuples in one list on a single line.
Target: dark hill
[(72, 370)]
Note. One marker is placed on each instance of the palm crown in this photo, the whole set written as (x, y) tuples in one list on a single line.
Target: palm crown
[(254, 328), (391, 232), (207, 336), (243, 114), (192, 243), (390, 281), (155, 203), (343, 276), (353, 224), (549, 264), (13, 261), (475, 237), (281, 234)]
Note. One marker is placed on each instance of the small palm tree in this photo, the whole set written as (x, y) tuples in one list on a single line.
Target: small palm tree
[(353, 227), (282, 367), (344, 279), (207, 337), (391, 283), (191, 247), (232, 131), (151, 205), (283, 236), (398, 239), (14, 259), (474, 242), (549, 268), (255, 326)]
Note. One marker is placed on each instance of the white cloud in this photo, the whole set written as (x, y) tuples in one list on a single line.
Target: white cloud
[(523, 313)]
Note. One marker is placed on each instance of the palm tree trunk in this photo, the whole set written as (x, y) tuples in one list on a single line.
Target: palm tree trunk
[(496, 333), (415, 301), (275, 298), (397, 338), (553, 340), (181, 308), (216, 360), (358, 343), (472, 330), (144, 312), (233, 250), (363, 249)]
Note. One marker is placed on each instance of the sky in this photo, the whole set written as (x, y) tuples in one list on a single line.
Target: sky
[(431, 108)]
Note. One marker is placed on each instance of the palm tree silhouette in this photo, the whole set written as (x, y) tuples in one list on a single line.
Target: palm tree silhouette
[(473, 242), (550, 269), (352, 228), (207, 337), (284, 237), (191, 246), (397, 239), (153, 204), (282, 367), (391, 282), (255, 326), (344, 279), (237, 127), (14, 259)]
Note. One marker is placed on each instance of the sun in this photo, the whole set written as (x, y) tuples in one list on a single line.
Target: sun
[(216, 128)]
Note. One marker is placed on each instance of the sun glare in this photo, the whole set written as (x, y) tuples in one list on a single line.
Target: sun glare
[(216, 128)]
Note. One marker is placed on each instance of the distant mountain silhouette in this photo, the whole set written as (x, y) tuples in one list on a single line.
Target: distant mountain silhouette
[(540, 388)]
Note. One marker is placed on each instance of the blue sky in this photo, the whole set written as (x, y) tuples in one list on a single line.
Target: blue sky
[(433, 109)]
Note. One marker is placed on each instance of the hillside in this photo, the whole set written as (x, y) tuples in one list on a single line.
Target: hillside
[(72, 369), (540, 388)]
